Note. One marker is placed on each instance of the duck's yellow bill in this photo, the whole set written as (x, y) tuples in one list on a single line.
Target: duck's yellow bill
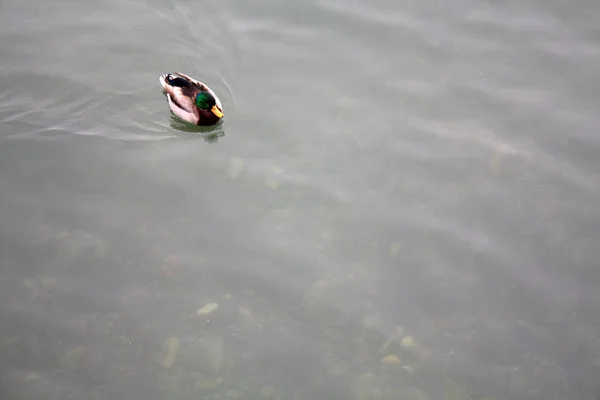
[(216, 111)]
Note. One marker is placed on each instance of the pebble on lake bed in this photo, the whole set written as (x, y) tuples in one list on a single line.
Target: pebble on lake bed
[(391, 359), (31, 376), (207, 309), (236, 167), (271, 182), (395, 336), (72, 358), (213, 345), (49, 283), (234, 394), (172, 347), (267, 392), (407, 342)]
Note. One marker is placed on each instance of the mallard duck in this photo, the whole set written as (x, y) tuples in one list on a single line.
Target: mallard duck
[(191, 100)]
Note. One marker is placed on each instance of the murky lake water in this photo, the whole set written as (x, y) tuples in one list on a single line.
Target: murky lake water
[(401, 204)]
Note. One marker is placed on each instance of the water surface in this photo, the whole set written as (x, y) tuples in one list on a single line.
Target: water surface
[(402, 202)]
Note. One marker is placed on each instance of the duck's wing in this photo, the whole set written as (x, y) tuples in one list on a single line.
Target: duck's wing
[(191, 117), (181, 94)]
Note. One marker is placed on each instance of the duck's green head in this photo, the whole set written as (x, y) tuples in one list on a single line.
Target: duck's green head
[(206, 101)]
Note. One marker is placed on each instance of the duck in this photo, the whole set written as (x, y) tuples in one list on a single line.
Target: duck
[(191, 100)]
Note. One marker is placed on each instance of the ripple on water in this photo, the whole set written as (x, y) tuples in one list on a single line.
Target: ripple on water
[(102, 81)]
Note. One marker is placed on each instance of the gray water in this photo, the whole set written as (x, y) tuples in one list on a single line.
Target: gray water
[(401, 204)]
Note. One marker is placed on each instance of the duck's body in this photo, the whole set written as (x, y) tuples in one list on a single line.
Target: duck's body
[(191, 100)]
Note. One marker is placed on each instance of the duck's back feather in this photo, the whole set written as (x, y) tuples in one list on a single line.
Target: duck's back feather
[(178, 82)]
